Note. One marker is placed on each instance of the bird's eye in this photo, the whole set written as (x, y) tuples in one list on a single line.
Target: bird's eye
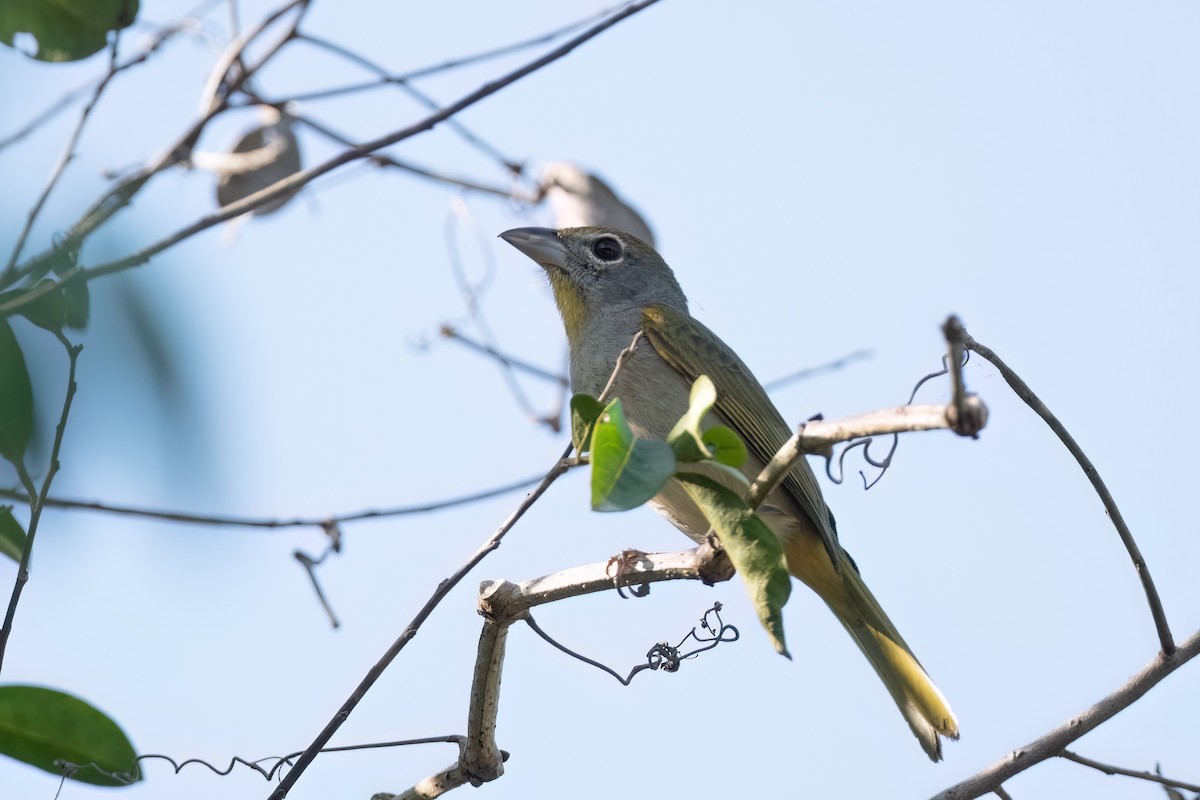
[(606, 248)]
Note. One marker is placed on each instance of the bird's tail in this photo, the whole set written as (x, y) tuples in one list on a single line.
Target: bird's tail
[(920, 701)]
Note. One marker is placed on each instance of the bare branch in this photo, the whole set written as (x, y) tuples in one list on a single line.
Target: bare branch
[(68, 155), (507, 602), (502, 603), (410, 631), (1052, 743), (402, 83), (291, 184), (156, 42), (1023, 391), (622, 357), (1109, 769), (511, 48), (297, 522), (383, 160), (386, 78), (819, 437), (452, 333), (808, 372), (472, 291), (126, 189), (481, 759), (212, 98), (38, 503), (435, 785)]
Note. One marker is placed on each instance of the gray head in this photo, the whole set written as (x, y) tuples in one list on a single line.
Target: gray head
[(598, 271)]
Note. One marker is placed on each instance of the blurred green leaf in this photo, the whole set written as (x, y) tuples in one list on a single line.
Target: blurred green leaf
[(685, 438), (40, 726), (626, 471), (65, 30), (48, 311), (725, 446), (585, 410), (753, 548), (16, 397), (12, 535), (79, 301)]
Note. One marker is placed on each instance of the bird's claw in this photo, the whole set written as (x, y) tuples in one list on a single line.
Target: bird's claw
[(625, 561)]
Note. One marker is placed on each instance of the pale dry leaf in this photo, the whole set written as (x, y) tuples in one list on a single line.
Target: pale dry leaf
[(578, 198)]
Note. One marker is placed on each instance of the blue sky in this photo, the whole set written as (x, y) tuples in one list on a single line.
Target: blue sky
[(824, 178)]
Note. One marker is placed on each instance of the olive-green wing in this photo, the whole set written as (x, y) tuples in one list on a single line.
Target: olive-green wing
[(694, 350)]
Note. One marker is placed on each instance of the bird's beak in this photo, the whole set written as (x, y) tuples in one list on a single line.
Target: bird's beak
[(540, 244)]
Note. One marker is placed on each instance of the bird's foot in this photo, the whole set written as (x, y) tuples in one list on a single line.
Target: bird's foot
[(622, 563)]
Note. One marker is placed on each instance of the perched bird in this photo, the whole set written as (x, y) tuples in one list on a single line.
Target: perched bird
[(608, 285)]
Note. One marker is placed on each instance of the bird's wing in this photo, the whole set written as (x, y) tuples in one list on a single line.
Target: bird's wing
[(693, 350)]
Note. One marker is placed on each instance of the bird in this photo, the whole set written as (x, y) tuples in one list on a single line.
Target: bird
[(608, 284)]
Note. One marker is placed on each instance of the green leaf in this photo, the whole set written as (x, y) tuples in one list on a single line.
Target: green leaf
[(79, 299), (753, 548), (685, 438), (725, 446), (16, 397), (12, 535), (48, 311), (585, 410), (626, 471), (40, 726), (65, 30)]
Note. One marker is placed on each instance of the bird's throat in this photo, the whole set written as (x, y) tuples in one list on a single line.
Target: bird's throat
[(570, 305)]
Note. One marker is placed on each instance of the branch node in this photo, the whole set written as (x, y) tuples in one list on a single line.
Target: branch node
[(496, 598), (969, 417)]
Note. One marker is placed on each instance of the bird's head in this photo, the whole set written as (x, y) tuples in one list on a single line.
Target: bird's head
[(598, 271)]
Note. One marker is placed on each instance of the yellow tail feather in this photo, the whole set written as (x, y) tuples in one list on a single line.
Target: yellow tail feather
[(920, 701)]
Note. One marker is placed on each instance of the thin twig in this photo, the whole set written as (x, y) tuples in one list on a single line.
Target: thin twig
[(402, 83), (554, 377), (212, 97), (411, 629), (68, 155), (622, 357), (1053, 743), (291, 184), (124, 191), (384, 160), (156, 42), (50, 112), (38, 503), (1001, 793), (1023, 391), (808, 372), (504, 50), (387, 78), (1109, 769), (249, 522), (310, 565), (452, 333), (472, 291)]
